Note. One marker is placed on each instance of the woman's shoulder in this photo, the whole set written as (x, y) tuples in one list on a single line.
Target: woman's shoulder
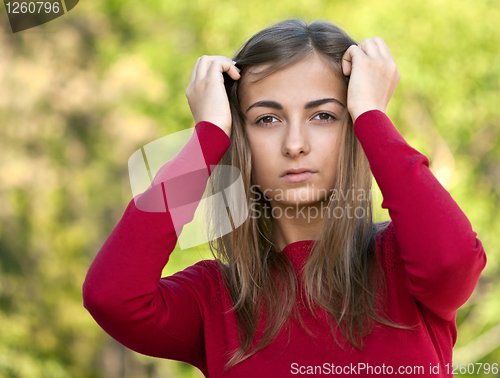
[(202, 279), (204, 271), (211, 281)]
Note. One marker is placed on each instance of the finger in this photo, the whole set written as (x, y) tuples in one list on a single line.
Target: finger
[(348, 57), (224, 65), (218, 66), (203, 65), (384, 50), (370, 48), (206, 61), (226, 59), (193, 73)]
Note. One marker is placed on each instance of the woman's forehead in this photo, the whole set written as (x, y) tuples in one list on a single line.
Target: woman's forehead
[(301, 77), (257, 73)]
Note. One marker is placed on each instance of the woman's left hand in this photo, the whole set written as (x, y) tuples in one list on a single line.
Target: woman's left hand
[(374, 76)]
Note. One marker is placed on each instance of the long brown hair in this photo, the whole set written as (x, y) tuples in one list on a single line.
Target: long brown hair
[(342, 274)]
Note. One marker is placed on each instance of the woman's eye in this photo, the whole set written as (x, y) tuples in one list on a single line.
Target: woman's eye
[(265, 118), (326, 116)]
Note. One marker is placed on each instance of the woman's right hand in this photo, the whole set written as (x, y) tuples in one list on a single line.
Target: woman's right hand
[(206, 94)]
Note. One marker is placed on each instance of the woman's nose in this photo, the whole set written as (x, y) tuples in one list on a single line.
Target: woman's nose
[(295, 140)]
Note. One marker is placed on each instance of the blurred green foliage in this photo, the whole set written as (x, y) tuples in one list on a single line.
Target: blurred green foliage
[(80, 94)]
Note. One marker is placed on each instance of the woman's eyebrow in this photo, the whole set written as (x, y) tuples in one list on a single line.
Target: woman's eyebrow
[(277, 105)]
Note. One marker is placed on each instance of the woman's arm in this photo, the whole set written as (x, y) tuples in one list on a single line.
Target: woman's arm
[(123, 291), (443, 257)]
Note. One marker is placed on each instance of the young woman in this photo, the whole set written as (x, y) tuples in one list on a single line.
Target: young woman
[(308, 284)]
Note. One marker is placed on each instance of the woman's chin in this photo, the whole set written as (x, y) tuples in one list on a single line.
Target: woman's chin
[(302, 202), (304, 197)]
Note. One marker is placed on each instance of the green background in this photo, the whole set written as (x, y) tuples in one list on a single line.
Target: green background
[(80, 94)]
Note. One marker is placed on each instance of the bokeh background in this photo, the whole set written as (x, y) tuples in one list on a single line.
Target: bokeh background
[(80, 94)]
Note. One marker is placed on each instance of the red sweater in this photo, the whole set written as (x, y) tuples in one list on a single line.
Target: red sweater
[(430, 254)]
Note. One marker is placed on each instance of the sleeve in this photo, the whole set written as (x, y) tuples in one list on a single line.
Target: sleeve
[(442, 256), (123, 291)]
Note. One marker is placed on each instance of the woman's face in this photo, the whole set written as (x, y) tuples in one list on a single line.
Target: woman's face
[(293, 121)]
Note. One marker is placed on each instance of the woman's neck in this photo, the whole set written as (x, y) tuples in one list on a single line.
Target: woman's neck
[(296, 224)]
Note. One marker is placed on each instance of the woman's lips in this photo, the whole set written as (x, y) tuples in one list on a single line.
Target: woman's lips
[(297, 177)]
